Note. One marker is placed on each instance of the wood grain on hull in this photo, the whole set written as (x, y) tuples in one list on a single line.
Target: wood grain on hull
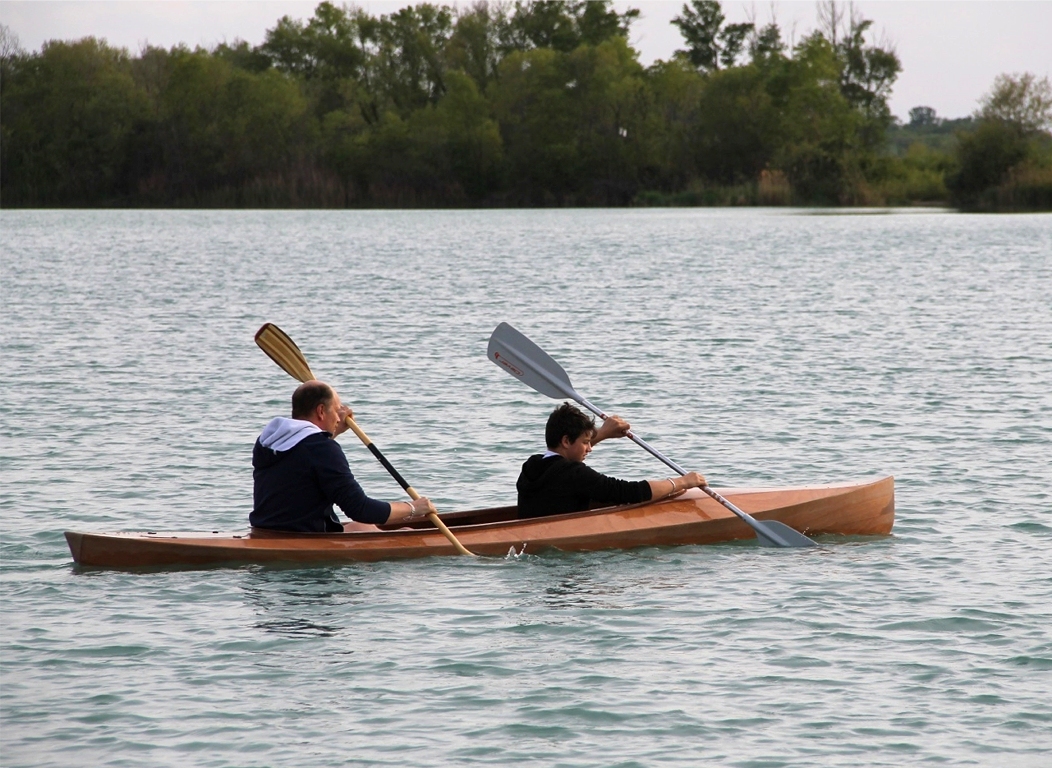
[(857, 509)]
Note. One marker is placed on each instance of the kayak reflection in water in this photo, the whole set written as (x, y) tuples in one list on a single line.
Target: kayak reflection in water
[(300, 471), (558, 480)]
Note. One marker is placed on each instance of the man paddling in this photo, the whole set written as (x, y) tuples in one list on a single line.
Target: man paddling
[(558, 480), (300, 471)]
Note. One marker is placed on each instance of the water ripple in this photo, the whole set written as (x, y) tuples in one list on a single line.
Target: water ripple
[(760, 347)]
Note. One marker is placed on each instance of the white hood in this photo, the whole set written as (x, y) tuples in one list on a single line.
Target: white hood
[(281, 434)]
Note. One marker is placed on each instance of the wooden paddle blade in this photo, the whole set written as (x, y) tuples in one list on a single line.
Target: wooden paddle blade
[(283, 351), (527, 362)]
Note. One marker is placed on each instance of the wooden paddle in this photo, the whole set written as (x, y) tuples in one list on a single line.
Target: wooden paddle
[(527, 362), (283, 351)]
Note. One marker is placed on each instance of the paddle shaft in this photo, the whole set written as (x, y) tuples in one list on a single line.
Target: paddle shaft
[(406, 486)]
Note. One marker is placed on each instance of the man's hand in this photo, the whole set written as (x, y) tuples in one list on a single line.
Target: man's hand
[(345, 412)]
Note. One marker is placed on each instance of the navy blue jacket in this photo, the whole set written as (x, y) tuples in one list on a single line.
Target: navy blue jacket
[(553, 485), (294, 490)]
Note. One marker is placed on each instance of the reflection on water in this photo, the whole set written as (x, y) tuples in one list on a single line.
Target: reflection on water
[(303, 602), (600, 580), (580, 591), (297, 628)]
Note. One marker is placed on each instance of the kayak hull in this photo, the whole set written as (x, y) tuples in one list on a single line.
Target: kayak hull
[(852, 509)]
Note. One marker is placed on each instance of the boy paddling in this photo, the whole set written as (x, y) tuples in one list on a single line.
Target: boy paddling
[(559, 481)]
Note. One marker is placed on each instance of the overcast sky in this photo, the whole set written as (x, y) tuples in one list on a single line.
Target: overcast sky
[(951, 50)]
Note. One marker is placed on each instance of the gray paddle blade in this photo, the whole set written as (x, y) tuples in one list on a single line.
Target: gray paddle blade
[(528, 363), (772, 533)]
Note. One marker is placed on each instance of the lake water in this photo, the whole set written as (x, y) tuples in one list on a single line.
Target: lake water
[(759, 347)]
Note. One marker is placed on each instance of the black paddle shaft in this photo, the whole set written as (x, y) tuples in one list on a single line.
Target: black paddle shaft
[(388, 466)]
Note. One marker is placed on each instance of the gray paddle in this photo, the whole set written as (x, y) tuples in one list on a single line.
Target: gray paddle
[(527, 362)]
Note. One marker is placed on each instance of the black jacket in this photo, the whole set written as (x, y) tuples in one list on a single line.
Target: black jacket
[(554, 485), (294, 490)]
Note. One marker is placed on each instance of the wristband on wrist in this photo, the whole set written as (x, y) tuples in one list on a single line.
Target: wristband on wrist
[(673, 481)]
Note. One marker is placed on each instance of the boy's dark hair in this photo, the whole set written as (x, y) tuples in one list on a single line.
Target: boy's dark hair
[(567, 421), (309, 396)]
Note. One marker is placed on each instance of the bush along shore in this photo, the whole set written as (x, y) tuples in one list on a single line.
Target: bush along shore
[(506, 104)]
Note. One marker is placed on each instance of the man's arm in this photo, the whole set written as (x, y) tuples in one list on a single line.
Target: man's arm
[(342, 489)]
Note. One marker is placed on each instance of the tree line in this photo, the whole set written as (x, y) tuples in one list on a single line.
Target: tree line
[(490, 104)]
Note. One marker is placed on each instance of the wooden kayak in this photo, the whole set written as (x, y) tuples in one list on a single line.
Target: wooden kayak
[(854, 509), (866, 508)]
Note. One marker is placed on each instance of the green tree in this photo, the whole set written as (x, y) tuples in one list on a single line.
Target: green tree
[(1019, 100), (68, 115), (597, 21), (220, 127), (330, 45), (410, 58), (766, 44), (444, 154), (474, 46), (10, 53), (563, 25), (1010, 139), (463, 140), (611, 97), (533, 100), (709, 42), (264, 124), (923, 116), (571, 123), (243, 55), (190, 113), (334, 47), (670, 127), (739, 129), (819, 148), (11, 56), (524, 103), (867, 72), (985, 156)]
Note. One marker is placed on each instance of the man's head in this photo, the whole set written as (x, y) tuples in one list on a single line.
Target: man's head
[(316, 402), (567, 421), (308, 396)]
